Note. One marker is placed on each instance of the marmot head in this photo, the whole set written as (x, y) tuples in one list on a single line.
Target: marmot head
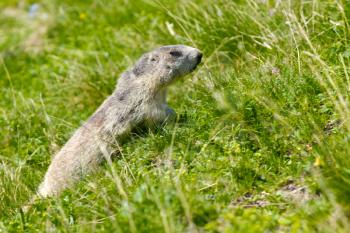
[(163, 65)]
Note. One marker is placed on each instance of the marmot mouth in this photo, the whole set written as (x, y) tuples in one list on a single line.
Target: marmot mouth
[(194, 67)]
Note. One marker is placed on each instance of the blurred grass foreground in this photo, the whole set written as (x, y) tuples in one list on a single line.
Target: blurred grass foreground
[(264, 140)]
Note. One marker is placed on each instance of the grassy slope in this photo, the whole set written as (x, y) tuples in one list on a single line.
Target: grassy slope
[(259, 114)]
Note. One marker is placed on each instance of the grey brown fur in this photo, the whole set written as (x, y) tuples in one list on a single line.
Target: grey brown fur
[(139, 97)]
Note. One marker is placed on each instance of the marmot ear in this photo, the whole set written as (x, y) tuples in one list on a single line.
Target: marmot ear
[(140, 66), (154, 58)]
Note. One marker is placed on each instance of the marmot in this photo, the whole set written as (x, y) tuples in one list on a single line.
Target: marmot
[(139, 97)]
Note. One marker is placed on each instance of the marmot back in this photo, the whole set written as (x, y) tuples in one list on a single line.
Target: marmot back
[(139, 97)]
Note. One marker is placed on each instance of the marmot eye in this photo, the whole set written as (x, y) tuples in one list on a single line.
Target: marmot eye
[(175, 53)]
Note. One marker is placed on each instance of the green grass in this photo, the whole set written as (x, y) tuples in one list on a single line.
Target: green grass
[(262, 141)]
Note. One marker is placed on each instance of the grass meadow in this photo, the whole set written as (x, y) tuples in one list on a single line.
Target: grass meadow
[(262, 143)]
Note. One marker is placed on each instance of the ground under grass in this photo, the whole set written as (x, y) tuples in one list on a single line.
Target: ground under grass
[(261, 143)]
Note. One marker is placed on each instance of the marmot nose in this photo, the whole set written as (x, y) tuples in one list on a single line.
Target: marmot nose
[(199, 57)]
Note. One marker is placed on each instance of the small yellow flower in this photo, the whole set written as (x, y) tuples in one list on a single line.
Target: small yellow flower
[(308, 147), (82, 16), (318, 162)]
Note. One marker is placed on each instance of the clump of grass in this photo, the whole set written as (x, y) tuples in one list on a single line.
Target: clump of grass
[(267, 110)]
